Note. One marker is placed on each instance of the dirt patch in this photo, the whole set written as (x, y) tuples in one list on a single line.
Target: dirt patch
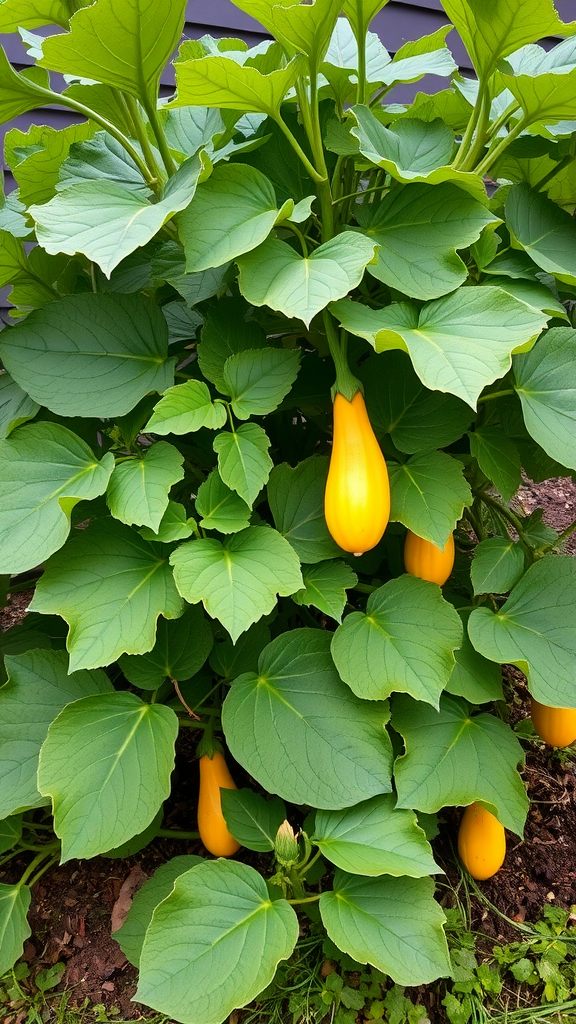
[(557, 499), (15, 612)]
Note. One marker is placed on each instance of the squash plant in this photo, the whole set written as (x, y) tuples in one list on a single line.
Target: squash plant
[(211, 269)]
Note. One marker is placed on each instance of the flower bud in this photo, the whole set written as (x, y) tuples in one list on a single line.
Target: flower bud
[(286, 845)]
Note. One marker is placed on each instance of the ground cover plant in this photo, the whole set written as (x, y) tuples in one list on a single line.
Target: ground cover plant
[(222, 279)]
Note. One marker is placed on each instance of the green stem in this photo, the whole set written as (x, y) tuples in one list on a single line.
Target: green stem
[(66, 101), (358, 195), (45, 867), (305, 899), (174, 833), (191, 724), (503, 510), (496, 394), (35, 862), (479, 140), (564, 162), (292, 227), (296, 883), (470, 129), (379, 95), (565, 534), (360, 34), (346, 383), (503, 119), (493, 154), (142, 136), (298, 149), (306, 867), (160, 137)]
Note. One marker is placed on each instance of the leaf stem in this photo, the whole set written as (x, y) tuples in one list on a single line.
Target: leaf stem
[(298, 149), (305, 899), (302, 871), (496, 394), (503, 510), (358, 195), (493, 154), (141, 135), (470, 129), (292, 227), (44, 868), (62, 100), (360, 33), (160, 138)]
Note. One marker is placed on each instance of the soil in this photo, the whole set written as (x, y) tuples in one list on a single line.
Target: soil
[(72, 906)]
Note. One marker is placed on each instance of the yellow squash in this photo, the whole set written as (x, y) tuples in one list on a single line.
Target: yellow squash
[(481, 842), (357, 499), (424, 559), (214, 776), (556, 726)]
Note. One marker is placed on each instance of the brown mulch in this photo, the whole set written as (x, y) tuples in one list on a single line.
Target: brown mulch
[(72, 906)]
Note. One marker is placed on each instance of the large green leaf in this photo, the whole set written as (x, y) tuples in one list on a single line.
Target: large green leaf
[(373, 838), (301, 28), (393, 923), (534, 630), (107, 221), (457, 344), (221, 509), (546, 232), (275, 275), (15, 14), (182, 646), (533, 293), (36, 157), (38, 688), (418, 228), (546, 383), (296, 499), (497, 565), (10, 832), (429, 493), (16, 407), (493, 30), (186, 408), (225, 333), (239, 580), (130, 936), (546, 97), (399, 404), (251, 819), (45, 470), (14, 927), (325, 585), (125, 47), (412, 150), (301, 733), (498, 458), (243, 460), (20, 92), (231, 213), (110, 586), (454, 758), (404, 642), (106, 764), (138, 489), (90, 355), (218, 919), (257, 380), (221, 82)]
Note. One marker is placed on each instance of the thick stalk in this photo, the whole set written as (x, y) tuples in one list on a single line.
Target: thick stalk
[(361, 29), (496, 394), (323, 185), (479, 140), (492, 155), (470, 129), (160, 138), (142, 136), (503, 119)]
